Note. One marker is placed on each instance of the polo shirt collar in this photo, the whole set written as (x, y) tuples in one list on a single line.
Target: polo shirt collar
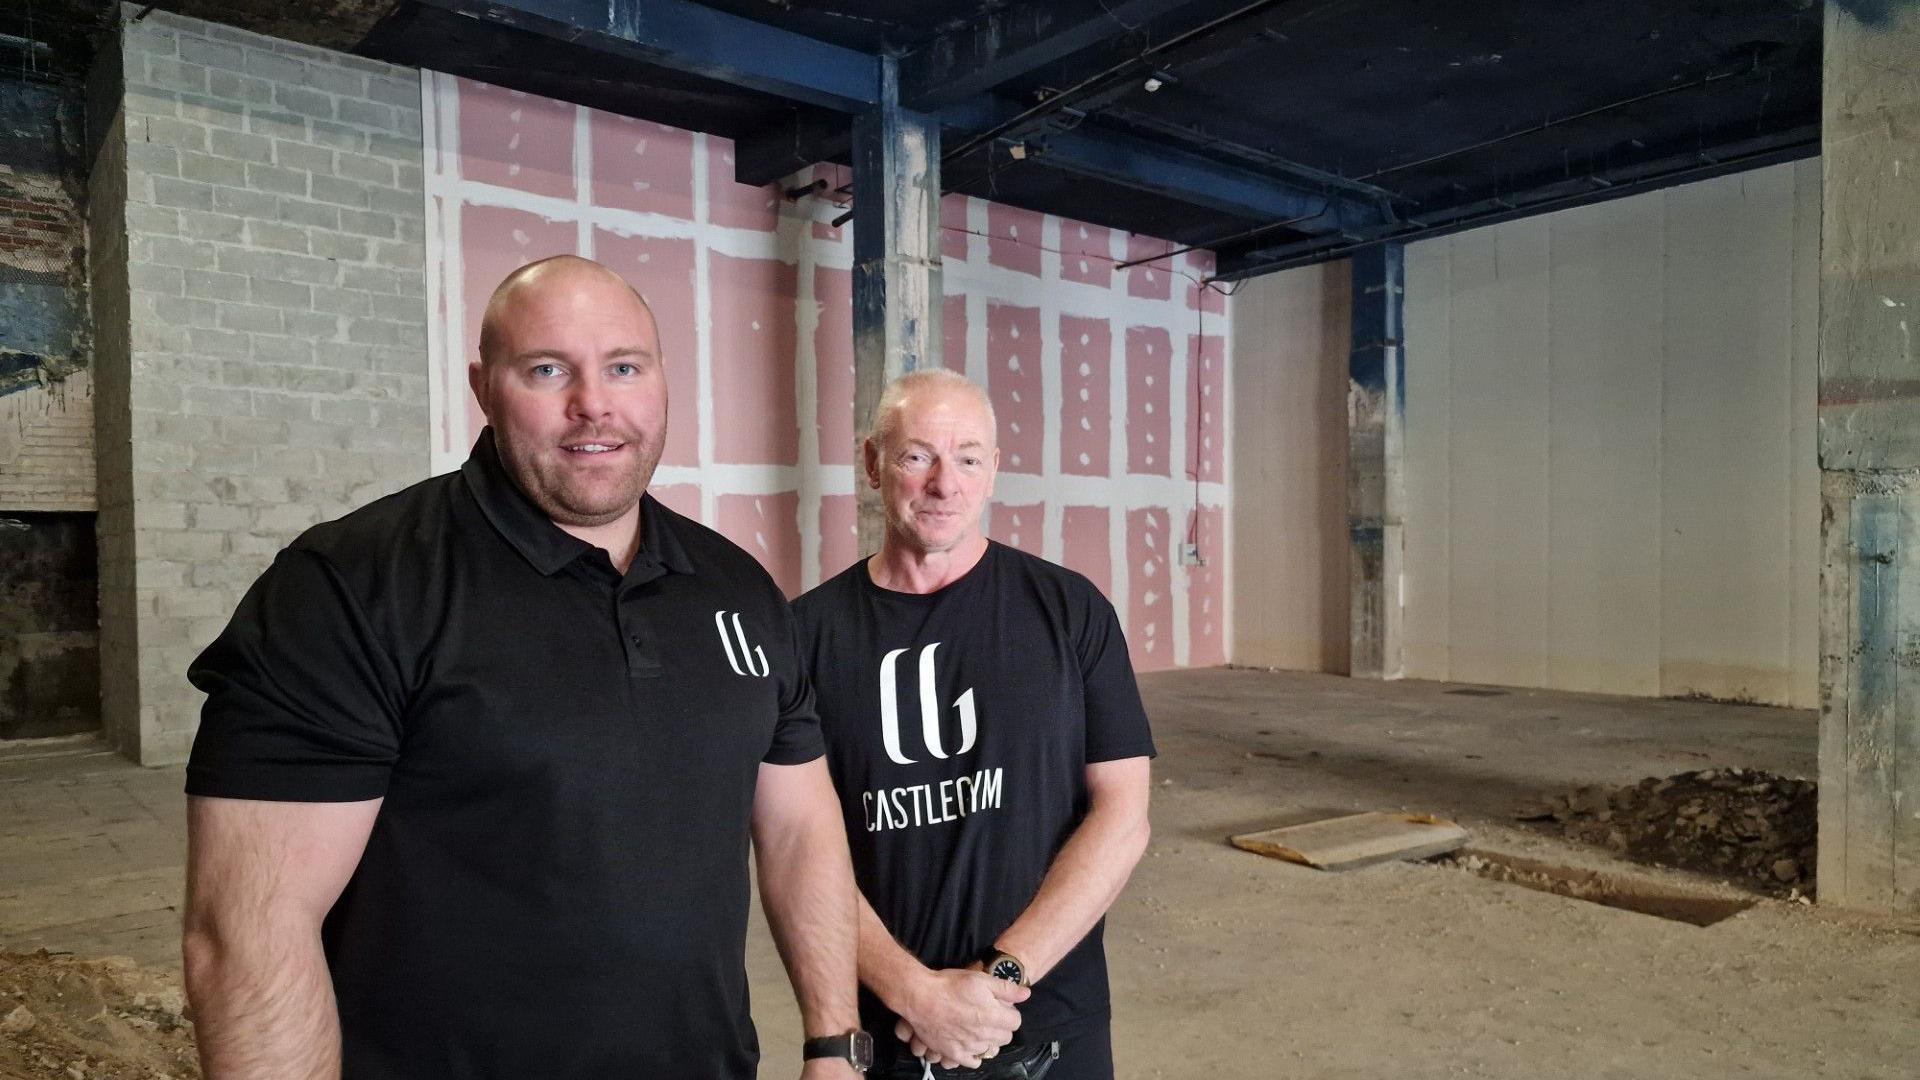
[(545, 545)]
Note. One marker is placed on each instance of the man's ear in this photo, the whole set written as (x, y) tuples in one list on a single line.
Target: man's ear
[(870, 455), (477, 382)]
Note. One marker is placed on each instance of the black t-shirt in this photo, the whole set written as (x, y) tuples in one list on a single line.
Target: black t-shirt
[(959, 725), (556, 884)]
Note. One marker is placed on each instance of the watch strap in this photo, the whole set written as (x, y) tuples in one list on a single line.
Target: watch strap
[(854, 1047)]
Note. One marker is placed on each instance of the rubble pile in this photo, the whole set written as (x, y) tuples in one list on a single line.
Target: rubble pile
[(70, 1019), (1751, 827)]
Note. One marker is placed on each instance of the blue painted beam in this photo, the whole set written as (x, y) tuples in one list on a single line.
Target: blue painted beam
[(1013, 41), (1181, 175), (696, 39)]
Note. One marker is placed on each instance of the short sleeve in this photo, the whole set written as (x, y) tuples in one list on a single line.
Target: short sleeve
[(303, 702), (796, 735), (1116, 720)]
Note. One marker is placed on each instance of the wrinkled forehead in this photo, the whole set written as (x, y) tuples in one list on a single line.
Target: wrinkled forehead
[(947, 415)]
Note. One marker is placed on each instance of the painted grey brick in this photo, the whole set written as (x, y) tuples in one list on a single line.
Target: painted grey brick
[(327, 381), (369, 114), (281, 294), (275, 405), (248, 375), (276, 237), (406, 123), (174, 251), (395, 90), (219, 171), (178, 310), (216, 286), (257, 430), (399, 256), (343, 411), (233, 86), (404, 203), (413, 230), (333, 245), (279, 266), (402, 309), (215, 226), (171, 74), (251, 317), (277, 125), (208, 53), (275, 179), (302, 212), (209, 342), (342, 301), (244, 202), (212, 111), (313, 325), (303, 156), (242, 146), (216, 401), (375, 279), (316, 104), (404, 147), (288, 461), (361, 167), (147, 219), (349, 193), (339, 136), (409, 177), (143, 277), (275, 349), (274, 67), (153, 159), (174, 132), (337, 80), (215, 518), (342, 356), (394, 361), (375, 332), (184, 194), (366, 223), (317, 436), (141, 101)]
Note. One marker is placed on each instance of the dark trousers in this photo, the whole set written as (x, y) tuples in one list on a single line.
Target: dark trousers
[(1086, 1056)]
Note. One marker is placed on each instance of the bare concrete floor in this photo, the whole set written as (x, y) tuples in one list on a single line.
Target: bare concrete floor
[(1230, 965)]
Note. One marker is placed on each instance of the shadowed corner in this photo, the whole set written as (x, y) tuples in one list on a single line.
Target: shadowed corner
[(1876, 13)]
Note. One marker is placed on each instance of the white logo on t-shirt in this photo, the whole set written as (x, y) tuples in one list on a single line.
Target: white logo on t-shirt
[(747, 652), (929, 709)]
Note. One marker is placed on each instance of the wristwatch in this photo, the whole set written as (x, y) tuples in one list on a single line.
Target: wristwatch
[(855, 1047), (1003, 965)]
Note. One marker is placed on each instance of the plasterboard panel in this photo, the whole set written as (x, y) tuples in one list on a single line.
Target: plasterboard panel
[(1426, 322), (1292, 332), (1497, 627), (1725, 491), (1604, 448)]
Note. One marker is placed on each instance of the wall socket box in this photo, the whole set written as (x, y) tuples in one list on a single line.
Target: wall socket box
[(1190, 555)]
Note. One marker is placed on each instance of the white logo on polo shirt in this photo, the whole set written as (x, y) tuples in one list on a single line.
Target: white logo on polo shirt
[(747, 652), (929, 709)]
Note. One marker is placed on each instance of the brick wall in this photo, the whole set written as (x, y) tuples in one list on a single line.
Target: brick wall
[(269, 370), (46, 395)]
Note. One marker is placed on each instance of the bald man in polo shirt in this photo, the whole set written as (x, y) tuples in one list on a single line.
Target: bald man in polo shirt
[(479, 762)]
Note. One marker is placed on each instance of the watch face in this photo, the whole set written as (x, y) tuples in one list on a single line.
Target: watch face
[(862, 1051), (1007, 968)]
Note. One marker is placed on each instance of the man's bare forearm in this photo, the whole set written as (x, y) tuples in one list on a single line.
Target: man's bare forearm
[(263, 1006), (886, 968), (1085, 878), (807, 890)]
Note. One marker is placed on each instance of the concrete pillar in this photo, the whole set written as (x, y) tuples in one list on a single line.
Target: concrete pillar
[(1376, 488), (1870, 461), (896, 259)]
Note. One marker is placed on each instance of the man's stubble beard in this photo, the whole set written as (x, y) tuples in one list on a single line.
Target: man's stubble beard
[(551, 491)]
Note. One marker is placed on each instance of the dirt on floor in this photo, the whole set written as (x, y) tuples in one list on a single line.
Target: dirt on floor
[(65, 1018), (1752, 827)]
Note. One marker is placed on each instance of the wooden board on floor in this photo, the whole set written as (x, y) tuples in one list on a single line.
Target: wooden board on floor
[(1348, 843)]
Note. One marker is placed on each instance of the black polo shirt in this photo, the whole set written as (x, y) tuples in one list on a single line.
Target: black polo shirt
[(556, 884)]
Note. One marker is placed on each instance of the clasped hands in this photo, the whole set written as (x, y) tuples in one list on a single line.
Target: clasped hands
[(960, 1017)]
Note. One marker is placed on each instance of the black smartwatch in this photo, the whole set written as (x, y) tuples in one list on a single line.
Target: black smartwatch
[(1003, 965), (855, 1047)]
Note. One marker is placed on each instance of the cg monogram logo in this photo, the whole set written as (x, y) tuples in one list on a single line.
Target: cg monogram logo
[(747, 653), (929, 709)]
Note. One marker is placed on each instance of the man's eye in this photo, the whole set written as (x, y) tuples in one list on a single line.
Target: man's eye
[(624, 370), (545, 371)]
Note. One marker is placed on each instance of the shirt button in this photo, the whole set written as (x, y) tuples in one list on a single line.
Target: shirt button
[(635, 639)]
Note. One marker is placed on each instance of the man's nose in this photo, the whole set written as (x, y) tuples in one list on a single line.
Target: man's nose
[(589, 398)]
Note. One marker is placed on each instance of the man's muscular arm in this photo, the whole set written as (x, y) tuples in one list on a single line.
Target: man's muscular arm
[(1091, 869), (807, 891), (261, 877)]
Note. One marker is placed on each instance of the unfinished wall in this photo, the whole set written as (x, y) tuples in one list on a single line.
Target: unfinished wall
[(261, 331), (1291, 334), (1611, 481), (46, 391), (1110, 386)]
